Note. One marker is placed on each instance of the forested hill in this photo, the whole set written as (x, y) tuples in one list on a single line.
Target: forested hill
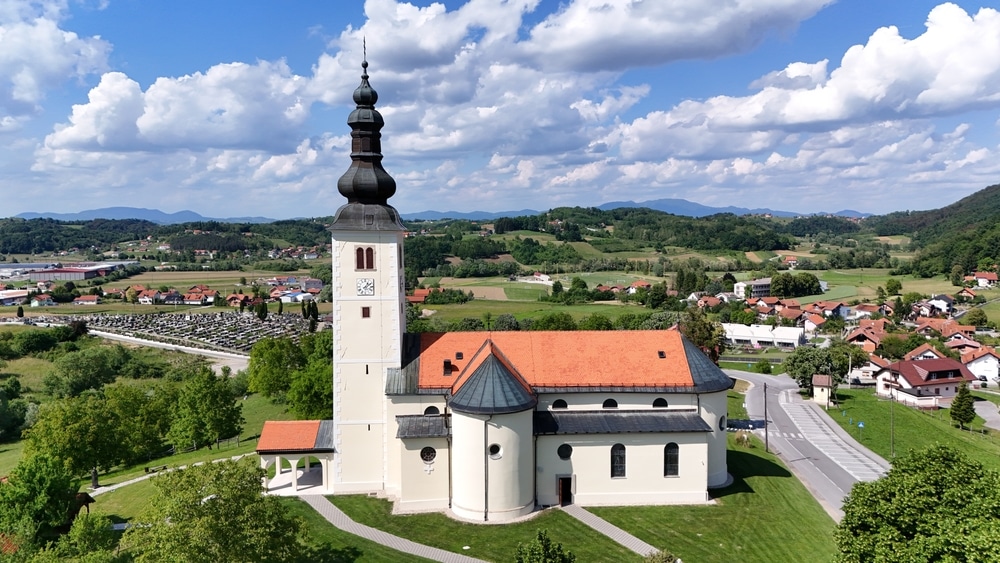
[(965, 233)]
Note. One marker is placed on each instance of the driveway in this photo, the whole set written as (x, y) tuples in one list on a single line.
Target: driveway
[(820, 453), (989, 412)]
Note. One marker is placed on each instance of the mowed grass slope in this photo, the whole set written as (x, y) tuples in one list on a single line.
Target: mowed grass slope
[(765, 516), (489, 542), (911, 429)]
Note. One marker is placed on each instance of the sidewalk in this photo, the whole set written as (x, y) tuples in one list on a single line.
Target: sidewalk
[(336, 517), (602, 526)]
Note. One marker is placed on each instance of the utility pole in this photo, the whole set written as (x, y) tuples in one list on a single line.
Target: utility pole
[(892, 425)]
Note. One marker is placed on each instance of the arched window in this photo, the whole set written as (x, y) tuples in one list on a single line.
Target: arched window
[(431, 410), (659, 403), (617, 460), (559, 404), (359, 258), (610, 404), (369, 258), (671, 455)]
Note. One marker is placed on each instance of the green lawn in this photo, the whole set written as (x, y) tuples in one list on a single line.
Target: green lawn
[(766, 515), (912, 429), (490, 542), (520, 293), (524, 309)]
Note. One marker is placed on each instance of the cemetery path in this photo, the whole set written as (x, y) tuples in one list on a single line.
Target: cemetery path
[(235, 361)]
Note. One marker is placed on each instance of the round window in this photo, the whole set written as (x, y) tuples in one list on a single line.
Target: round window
[(496, 452), (722, 423), (428, 454), (565, 451)]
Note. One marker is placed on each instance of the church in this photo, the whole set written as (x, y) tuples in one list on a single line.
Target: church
[(490, 426)]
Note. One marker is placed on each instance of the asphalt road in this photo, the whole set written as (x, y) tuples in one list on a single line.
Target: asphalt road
[(825, 458)]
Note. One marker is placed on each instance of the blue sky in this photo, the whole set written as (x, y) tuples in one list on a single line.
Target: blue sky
[(238, 108)]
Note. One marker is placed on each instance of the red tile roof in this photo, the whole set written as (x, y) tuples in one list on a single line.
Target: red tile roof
[(918, 372), (920, 350), (288, 435), (564, 359)]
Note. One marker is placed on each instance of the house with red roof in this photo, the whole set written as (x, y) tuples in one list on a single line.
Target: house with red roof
[(923, 383), (985, 279), (42, 300), (87, 300), (983, 362)]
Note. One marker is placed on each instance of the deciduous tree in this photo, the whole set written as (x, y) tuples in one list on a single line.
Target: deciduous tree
[(80, 433), (542, 550), (893, 286), (215, 512), (934, 505), (206, 410), (272, 360)]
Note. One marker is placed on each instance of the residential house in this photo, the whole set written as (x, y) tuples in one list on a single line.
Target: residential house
[(966, 293), (923, 352), (813, 322), (708, 301), (173, 298), (42, 300), (865, 311), (923, 383), (237, 299), (149, 297), (868, 337), (828, 309), (308, 284), (87, 300), (753, 288), (944, 303), (638, 284), (985, 279), (983, 362), (790, 261), (194, 299)]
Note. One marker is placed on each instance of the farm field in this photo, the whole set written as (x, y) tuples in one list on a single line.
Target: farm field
[(524, 309)]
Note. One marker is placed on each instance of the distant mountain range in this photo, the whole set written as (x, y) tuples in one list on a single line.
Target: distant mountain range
[(673, 206), (153, 215)]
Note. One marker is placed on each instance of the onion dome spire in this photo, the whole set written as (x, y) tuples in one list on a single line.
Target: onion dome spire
[(366, 181)]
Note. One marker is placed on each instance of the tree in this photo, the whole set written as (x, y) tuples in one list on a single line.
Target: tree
[(90, 368), (131, 296), (542, 550), (935, 504), (215, 512), (963, 410), (20, 312), (957, 275), (975, 317), (703, 333), (806, 362), (311, 393), (206, 410), (505, 321), (271, 362), (39, 490), (262, 311), (142, 415), (893, 286), (80, 433)]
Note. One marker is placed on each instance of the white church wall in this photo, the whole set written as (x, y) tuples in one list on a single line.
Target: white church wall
[(626, 401), (424, 484), (511, 472), (714, 409), (644, 482), (404, 405)]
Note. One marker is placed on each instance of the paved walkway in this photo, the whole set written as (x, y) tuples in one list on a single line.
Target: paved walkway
[(989, 412), (608, 529), (101, 490), (336, 517)]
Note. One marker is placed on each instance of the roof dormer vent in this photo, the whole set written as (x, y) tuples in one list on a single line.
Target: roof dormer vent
[(661, 354), (448, 367), (459, 355)]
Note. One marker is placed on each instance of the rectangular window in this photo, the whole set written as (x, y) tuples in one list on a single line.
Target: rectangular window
[(366, 312)]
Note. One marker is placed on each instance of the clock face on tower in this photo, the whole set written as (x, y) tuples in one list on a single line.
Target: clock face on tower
[(366, 286)]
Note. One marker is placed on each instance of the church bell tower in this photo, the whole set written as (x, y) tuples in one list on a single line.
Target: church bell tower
[(369, 299)]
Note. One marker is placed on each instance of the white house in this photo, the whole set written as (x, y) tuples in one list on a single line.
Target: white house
[(923, 383), (983, 363), (490, 426)]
